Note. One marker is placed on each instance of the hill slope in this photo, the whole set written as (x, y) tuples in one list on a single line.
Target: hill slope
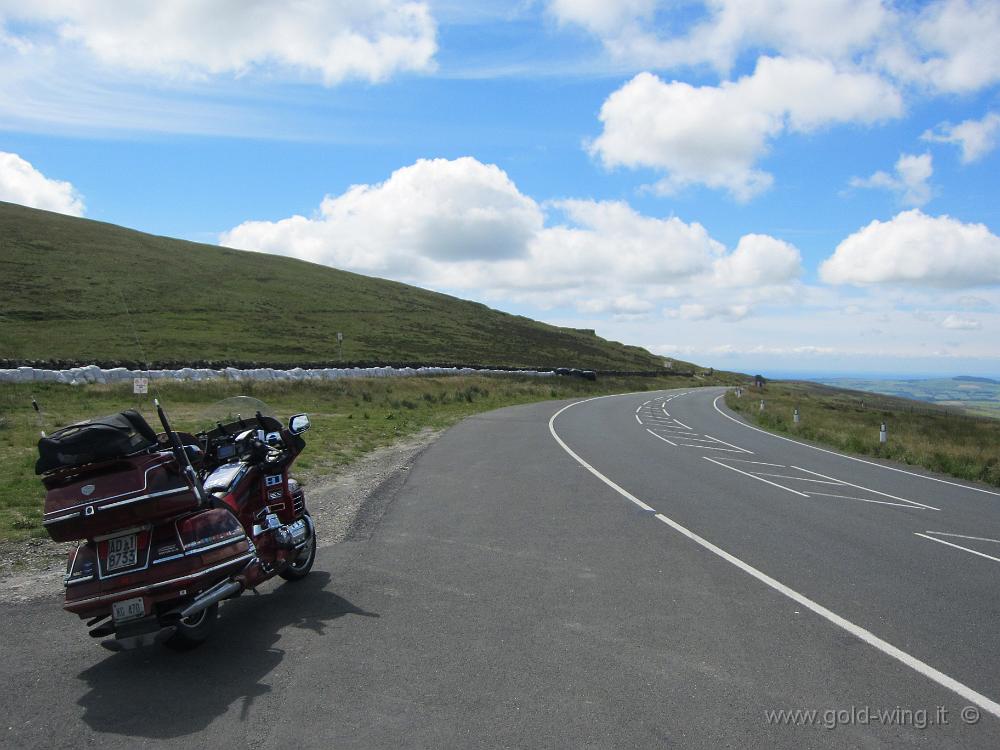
[(64, 283)]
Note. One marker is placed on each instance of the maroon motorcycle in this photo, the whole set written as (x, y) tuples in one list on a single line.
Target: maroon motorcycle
[(174, 523)]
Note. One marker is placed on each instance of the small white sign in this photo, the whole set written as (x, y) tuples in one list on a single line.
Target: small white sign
[(140, 385), (340, 336)]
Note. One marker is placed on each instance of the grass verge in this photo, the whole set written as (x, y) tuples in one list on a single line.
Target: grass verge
[(350, 417), (919, 434)]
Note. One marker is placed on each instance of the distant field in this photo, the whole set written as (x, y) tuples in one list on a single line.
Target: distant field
[(979, 396), (74, 289), (350, 417), (935, 437)]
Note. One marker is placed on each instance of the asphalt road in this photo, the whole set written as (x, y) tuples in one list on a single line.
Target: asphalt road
[(638, 571)]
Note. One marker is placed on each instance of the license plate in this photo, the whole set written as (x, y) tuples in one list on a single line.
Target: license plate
[(128, 609), (121, 552)]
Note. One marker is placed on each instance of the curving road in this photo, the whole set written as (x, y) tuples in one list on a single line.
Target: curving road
[(631, 571)]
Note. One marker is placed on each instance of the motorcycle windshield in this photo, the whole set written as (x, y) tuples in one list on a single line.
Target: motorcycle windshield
[(235, 413)]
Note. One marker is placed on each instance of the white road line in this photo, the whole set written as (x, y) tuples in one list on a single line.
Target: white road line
[(702, 440), (958, 546), (800, 479), (963, 536), (661, 437), (637, 419), (584, 464), (868, 489), (711, 448), (852, 458), (639, 407), (729, 444), (682, 424), (759, 463), (921, 667), (813, 493), (754, 476), (678, 433)]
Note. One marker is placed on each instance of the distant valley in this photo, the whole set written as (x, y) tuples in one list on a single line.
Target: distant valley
[(973, 395)]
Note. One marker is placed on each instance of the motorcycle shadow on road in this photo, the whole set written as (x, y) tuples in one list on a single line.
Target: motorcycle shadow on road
[(158, 693)]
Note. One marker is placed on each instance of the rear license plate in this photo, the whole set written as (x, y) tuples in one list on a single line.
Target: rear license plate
[(128, 609), (121, 552)]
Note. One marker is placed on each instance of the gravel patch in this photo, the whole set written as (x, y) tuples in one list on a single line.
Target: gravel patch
[(345, 505)]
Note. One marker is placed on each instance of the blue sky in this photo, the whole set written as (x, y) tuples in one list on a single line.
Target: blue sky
[(758, 185)]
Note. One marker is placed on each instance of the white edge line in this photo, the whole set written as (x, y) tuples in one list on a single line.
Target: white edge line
[(637, 419), (958, 546), (729, 444), (660, 437), (867, 489), (681, 423), (963, 536), (639, 407), (754, 476), (852, 458), (588, 467), (857, 631)]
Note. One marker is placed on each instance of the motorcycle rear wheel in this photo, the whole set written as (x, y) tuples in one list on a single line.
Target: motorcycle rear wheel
[(299, 569), (193, 631)]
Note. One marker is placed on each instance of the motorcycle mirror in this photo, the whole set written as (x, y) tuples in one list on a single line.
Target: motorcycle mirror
[(298, 424)]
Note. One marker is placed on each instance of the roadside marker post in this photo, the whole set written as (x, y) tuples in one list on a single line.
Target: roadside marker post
[(795, 416), (883, 435), (762, 404)]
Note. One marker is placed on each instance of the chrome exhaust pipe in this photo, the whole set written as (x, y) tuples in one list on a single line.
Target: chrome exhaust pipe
[(214, 595)]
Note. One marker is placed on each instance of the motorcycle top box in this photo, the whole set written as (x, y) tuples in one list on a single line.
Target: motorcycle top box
[(106, 474)]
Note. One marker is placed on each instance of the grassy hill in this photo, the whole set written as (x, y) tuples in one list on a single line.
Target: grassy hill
[(64, 284), (971, 394)]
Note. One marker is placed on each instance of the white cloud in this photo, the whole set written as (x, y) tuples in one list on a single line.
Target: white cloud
[(714, 135), (433, 211), (337, 39), (909, 183), (976, 138), (948, 46), (461, 225), (942, 45), (914, 248), (696, 312), (758, 260), (956, 323), (21, 183), (630, 31)]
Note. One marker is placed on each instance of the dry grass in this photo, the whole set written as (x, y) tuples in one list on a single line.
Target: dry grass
[(919, 434)]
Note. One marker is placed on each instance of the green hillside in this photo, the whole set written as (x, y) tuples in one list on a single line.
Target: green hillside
[(64, 284)]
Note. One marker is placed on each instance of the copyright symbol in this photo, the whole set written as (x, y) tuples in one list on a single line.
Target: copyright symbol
[(970, 715)]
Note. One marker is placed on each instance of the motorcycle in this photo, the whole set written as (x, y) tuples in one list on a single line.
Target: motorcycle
[(170, 524)]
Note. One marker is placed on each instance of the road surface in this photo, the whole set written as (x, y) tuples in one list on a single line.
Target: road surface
[(630, 571)]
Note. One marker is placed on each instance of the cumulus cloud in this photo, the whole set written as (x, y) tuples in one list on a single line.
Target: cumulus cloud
[(435, 210), (976, 138), (338, 39), (942, 45), (909, 182), (758, 260), (714, 135), (464, 225), (628, 30), (948, 46), (916, 249), (955, 323), (696, 312), (21, 183)]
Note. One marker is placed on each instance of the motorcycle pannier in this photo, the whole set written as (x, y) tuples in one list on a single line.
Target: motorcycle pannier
[(101, 477)]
